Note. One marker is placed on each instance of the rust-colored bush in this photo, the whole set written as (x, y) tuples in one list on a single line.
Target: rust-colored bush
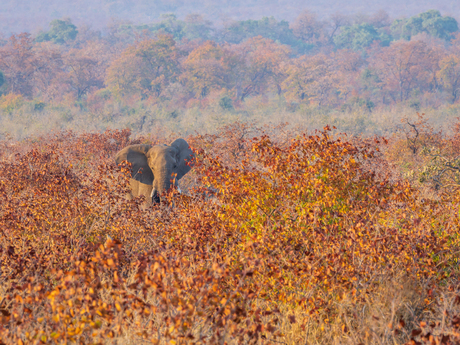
[(278, 231)]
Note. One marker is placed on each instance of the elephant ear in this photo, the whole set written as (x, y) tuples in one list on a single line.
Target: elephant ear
[(184, 157), (136, 155)]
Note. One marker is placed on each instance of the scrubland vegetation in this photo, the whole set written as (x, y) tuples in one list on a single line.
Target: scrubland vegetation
[(279, 237), (323, 207)]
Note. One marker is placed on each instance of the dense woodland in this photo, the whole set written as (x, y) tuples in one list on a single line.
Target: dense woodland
[(346, 62)]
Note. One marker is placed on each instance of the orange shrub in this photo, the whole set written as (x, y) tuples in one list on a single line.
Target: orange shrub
[(274, 223), (10, 102)]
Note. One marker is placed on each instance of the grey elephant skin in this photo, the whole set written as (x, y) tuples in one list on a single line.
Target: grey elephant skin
[(153, 165)]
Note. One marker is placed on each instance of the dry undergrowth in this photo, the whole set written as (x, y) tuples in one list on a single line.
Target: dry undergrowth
[(281, 237)]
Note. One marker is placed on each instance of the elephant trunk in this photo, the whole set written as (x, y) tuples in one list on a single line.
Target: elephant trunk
[(161, 183), (155, 196)]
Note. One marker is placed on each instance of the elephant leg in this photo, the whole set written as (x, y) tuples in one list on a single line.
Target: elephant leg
[(134, 187), (154, 196), (142, 189)]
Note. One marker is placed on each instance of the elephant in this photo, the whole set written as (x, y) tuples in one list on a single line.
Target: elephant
[(152, 167)]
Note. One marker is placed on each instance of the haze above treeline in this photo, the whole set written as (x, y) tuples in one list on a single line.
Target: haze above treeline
[(33, 16)]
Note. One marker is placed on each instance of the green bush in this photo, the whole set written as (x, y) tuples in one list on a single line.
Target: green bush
[(226, 103)]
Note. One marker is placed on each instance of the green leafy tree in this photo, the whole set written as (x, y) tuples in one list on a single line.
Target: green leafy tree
[(169, 24), (3, 85), (194, 27), (359, 37), (197, 28), (2, 79), (441, 27), (62, 31), (226, 103), (267, 27), (430, 22)]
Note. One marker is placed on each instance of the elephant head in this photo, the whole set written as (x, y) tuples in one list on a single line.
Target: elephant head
[(153, 166)]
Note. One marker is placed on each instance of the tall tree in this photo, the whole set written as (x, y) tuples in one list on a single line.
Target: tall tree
[(18, 63), (257, 65), (197, 28), (48, 64), (336, 22), (311, 79), (380, 19), (347, 65), (308, 28), (359, 37), (203, 69), (62, 31), (430, 22), (267, 27), (145, 68), (28, 68), (403, 67), (169, 24), (84, 69), (449, 75), (448, 72)]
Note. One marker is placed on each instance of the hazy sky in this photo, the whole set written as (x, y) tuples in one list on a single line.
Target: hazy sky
[(31, 15)]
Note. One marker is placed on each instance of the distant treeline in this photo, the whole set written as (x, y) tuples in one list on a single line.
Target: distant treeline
[(342, 62)]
